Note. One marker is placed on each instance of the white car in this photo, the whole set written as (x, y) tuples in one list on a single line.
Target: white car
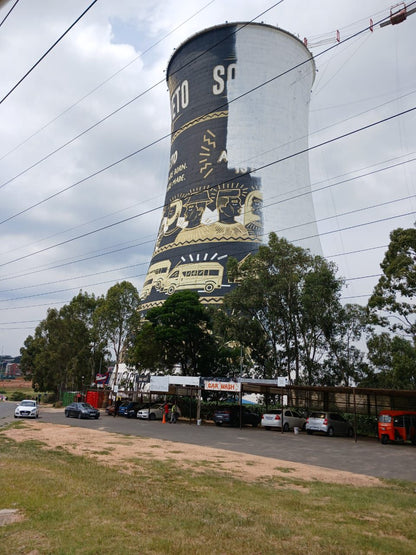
[(27, 409), (291, 419), (155, 412)]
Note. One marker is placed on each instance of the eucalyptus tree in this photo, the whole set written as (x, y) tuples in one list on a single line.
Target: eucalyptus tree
[(392, 353), (117, 319), (392, 362), (64, 352), (392, 303), (345, 362), (292, 296)]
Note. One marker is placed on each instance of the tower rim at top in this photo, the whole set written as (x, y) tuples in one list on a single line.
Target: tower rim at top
[(243, 24)]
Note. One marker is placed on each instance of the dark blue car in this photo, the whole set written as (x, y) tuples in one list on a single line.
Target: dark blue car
[(231, 416), (81, 410), (129, 410)]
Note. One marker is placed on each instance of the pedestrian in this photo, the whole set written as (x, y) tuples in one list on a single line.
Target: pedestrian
[(117, 406), (173, 414), (166, 411)]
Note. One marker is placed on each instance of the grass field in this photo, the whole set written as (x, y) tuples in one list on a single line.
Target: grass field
[(74, 505)]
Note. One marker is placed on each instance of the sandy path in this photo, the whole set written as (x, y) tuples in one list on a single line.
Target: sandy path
[(102, 445)]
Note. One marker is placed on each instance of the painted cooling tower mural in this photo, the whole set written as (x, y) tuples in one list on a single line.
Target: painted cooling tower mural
[(236, 110)]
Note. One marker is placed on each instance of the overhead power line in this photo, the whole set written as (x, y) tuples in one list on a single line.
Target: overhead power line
[(8, 13), (124, 158), (278, 231), (188, 63), (47, 52), (338, 230), (151, 210), (105, 118), (208, 248), (97, 87)]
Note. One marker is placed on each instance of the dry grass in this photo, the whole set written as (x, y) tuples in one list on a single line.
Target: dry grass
[(86, 492)]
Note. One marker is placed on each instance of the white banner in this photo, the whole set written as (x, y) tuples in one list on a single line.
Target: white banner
[(184, 380), (159, 383)]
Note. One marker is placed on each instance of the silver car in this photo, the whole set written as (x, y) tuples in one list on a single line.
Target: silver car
[(330, 423), (291, 419)]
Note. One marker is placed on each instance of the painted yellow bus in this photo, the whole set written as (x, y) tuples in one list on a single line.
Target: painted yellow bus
[(197, 275), (155, 277)]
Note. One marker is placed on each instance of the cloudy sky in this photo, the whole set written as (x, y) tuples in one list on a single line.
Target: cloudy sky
[(84, 148)]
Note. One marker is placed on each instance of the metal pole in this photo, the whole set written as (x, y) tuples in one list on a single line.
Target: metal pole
[(198, 408), (355, 416), (241, 406)]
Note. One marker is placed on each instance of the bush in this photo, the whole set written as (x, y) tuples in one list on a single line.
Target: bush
[(49, 398), (17, 396)]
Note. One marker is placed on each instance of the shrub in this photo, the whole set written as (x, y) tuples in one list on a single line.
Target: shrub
[(17, 396)]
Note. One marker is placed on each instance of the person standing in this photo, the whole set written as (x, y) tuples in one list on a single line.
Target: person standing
[(166, 411), (173, 414), (117, 406)]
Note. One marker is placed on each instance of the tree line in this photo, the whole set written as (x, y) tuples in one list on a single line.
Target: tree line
[(284, 317)]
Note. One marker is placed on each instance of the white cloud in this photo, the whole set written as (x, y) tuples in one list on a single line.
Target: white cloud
[(354, 78)]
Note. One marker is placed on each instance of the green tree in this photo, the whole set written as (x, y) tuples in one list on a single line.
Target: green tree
[(392, 303), (344, 362), (242, 345), (64, 353), (393, 362), (81, 309), (117, 319), (181, 331), (292, 296), (391, 306), (145, 350)]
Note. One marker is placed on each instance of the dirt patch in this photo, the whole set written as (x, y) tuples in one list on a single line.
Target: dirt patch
[(8, 516), (16, 384), (102, 446)]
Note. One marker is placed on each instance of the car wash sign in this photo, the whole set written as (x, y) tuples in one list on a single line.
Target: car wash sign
[(231, 387)]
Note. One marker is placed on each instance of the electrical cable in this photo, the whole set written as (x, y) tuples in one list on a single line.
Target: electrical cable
[(243, 164), (254, 249), (169, 135), (74, 277), (8, 13), (151, 210), (278, 231), (361, 250), (58, 149), (48, 51), (96, 88)]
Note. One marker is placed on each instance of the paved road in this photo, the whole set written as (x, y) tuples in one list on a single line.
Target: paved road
[(366, 456)]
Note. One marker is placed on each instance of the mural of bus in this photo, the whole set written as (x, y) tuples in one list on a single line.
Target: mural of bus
[(197, 275), (155, 277)]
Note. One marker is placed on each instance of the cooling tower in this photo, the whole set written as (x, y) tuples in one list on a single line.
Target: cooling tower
[(239, 98)]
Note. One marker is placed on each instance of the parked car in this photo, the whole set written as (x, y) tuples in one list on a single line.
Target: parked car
[(155, 412), (129, 410), (81, 410), (291, 419), (27, 409), (331, 423), (111, 408), (231, 416)]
